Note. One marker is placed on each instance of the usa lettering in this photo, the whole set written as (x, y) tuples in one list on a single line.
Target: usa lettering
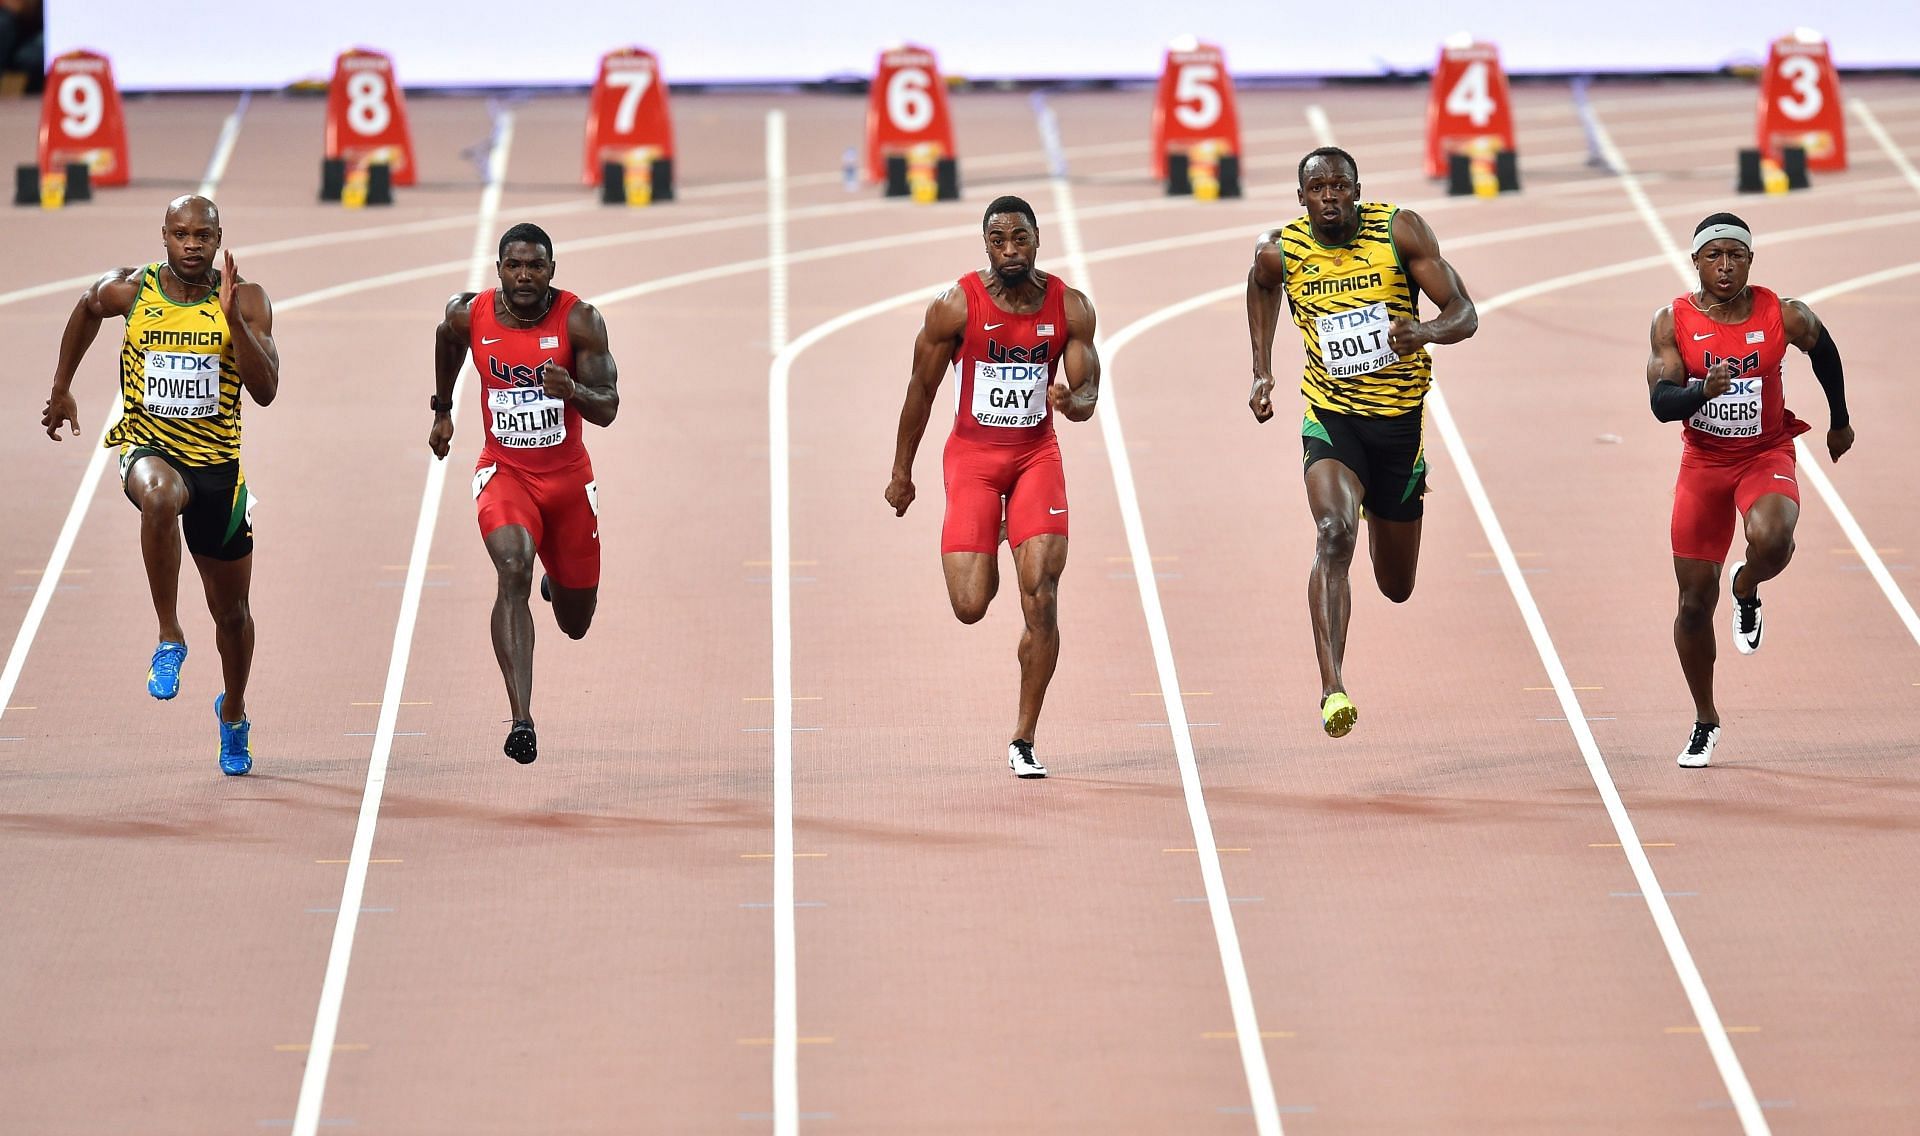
[(519, 375), (1739, 365)]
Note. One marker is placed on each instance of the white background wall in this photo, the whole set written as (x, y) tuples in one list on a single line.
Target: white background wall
[(183, 44)]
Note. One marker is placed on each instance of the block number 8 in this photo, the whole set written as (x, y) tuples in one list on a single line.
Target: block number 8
[(367, 109), (1803, 73), (82, 103), (908, 103)]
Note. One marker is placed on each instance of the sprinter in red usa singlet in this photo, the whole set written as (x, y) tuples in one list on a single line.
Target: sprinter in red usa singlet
[(541, 355), (1716, 366), (1009, 331)]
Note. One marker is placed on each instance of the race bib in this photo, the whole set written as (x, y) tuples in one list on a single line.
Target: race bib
[(1354, 342), (1735, 414), (181, 384), (524, 418), (1009, 395)]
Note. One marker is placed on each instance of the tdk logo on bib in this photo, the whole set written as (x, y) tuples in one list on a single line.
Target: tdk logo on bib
[(519, 375)]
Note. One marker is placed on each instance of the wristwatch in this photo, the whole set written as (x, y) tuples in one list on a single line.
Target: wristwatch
[(434, 404)]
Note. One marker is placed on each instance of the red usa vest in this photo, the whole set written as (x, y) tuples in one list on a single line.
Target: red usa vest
[(525, 428), (1005, 363), (1752, 416)]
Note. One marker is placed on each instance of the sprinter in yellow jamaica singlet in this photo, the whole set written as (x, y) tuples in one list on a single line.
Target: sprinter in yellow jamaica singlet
[(1352, 272), (197, 335)]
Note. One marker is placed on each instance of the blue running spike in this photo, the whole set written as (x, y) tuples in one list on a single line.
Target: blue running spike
[(163, 674), (236, 752)]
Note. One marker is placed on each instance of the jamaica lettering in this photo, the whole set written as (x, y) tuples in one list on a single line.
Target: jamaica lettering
[(1314, 288), (155, 337)]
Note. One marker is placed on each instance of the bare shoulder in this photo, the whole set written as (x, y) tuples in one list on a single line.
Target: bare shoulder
[(459, 310), (1080, 317), (1798, 318), (1663, 322), (947, 313), (117, 287), (1412, 233)]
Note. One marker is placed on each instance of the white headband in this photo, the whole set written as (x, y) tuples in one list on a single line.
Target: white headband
[(1715, 232)]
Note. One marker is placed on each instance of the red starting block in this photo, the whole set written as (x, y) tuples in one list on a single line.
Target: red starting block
[(1800, 102), (629, 130), (366, 127), (909, 132), (1468, 109), (1196, 125), (81, 122)]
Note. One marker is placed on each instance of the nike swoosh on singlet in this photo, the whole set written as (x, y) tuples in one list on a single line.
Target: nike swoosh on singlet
[(485, 341), (1707, 335), (991, 326)]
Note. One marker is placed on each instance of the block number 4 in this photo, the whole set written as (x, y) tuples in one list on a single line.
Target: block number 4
[(1472, 97)]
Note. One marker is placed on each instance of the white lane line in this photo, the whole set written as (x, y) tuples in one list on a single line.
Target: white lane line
[(223, 149), (69, 531), (1872, 122), (1810, 470), (1318, 123), (1746, 1105), (326, 1021), (786, 999), (777, 229), (1246, 1026)]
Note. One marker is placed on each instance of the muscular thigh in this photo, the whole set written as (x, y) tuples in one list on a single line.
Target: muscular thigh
[(1703, 512), (569, 546), (1037, 501), (978, 476)]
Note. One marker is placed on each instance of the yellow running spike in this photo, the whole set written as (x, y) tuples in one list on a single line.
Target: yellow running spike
[(1338, 714)]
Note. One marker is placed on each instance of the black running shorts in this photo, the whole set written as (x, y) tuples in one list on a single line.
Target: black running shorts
[(216, 521), (1386, 454)]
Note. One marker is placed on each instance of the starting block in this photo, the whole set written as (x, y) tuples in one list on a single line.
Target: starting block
[(54, 188), (366, 128), (629, 125), (1469, 111), (1483, 175), (81, 122), (909, 130), (1202, 175), (1196, 125), (922, 175), (1761, 174), (638, 178), (1800, 103)]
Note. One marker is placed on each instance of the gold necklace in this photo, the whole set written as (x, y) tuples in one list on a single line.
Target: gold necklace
[(524, 321), (209, 286)]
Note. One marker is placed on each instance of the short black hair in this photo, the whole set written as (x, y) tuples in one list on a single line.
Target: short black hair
[(1009, 204), (1721, 219), (1329, 152), (530, 233)]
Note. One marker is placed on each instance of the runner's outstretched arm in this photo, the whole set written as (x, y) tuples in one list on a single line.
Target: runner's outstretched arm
[(593, 384), (1419, 251), (933, 350), (1077, 397), (451, 341), (1806, 331), (1264, 281), (111, 295), (250, 320)]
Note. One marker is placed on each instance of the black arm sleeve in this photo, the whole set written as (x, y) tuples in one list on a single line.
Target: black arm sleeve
[(1826, 368), (1674, 403)]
